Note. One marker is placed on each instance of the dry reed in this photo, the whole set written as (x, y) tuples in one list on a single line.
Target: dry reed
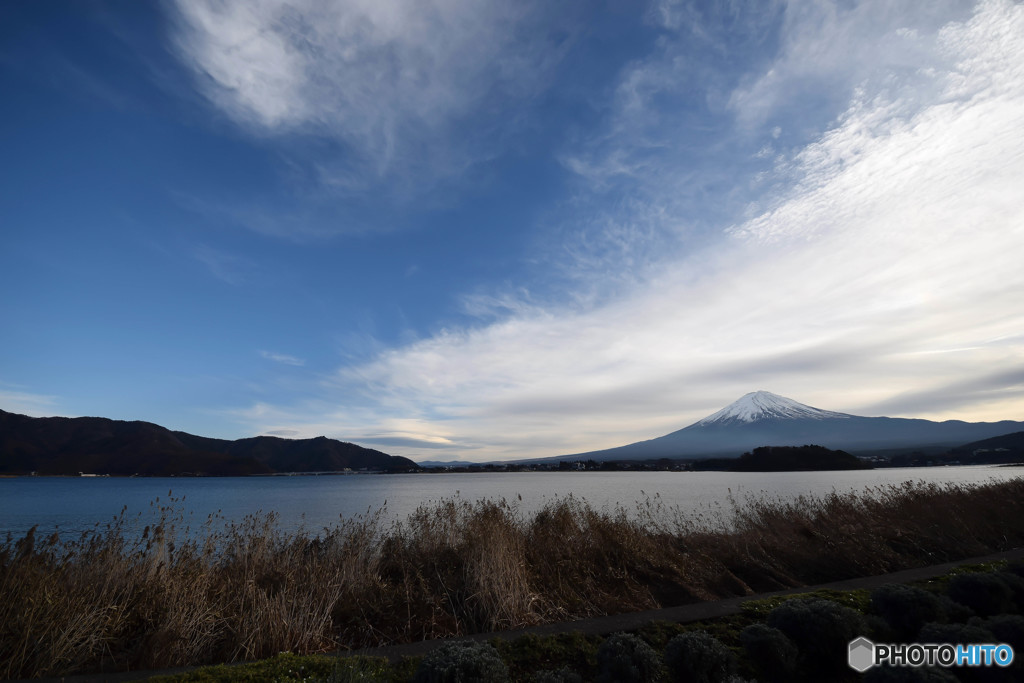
[(115, 599)]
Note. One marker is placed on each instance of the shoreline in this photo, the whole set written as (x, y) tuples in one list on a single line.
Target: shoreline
[(482, 469)]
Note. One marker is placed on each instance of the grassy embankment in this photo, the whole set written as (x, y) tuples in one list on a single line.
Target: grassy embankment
[(249, 591)]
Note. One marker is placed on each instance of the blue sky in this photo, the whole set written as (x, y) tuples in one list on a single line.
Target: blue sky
[(456, 229)]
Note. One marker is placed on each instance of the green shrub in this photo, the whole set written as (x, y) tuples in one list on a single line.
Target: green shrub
[(965, 634), (531, 653), (986, 593), (698, 657), (1015, 583), (563, 675), (906, 608), (285, 666), (462, 662), (354, 670), (1007, 628), (1016, 567), (908, 674), (821, 629), (954, 611), (625, 658), (771, 652)]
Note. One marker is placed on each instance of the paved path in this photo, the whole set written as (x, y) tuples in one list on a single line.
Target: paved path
[(609, 624)]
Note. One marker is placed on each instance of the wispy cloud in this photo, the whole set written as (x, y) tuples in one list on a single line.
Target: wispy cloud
[(882, 263), (230, 268), (282, 358), (1004, 388), (400, 441), (288, 433), (827, 49), (407, 90), (368, 427), (14, 399), (667, 167), (286, 218)]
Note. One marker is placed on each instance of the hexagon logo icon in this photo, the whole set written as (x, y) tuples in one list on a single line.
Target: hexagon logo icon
[(862, 654)]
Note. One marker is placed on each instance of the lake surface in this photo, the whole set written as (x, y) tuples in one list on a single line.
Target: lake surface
[(75, 504)]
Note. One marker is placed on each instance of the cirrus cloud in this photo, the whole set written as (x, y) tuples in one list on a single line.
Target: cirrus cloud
[(403, 89)]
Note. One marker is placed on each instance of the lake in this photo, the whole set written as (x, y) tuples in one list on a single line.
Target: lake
[(75, 504)]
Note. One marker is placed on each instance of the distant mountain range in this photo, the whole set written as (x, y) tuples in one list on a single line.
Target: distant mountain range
[(762, 418), (62, 445)]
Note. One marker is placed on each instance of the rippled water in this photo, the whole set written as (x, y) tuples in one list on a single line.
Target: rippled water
[(75, 504)]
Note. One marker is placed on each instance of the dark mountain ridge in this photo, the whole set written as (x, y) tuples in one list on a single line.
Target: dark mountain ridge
[(1011, 445), (64, 445)]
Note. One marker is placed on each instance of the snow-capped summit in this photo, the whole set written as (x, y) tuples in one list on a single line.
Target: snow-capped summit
[(764, 405)]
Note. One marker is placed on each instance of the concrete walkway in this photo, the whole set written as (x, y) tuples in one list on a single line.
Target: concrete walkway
[(609, 624)]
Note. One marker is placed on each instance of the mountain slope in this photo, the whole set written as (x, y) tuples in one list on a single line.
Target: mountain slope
[(762, 418), (61, 445), (1012, 444)]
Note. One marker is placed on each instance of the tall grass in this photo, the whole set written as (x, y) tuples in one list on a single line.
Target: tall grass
[(115, 599)]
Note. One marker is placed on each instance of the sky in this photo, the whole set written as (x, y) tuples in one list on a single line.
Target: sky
[(482, 230)]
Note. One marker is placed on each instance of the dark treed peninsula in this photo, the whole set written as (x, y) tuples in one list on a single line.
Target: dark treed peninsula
[(96, 445), (785, 459)]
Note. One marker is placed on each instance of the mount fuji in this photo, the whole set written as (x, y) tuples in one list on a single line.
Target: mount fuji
[(762, 418)]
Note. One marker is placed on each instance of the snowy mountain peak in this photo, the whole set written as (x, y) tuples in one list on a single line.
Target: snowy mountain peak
[(764, 405)]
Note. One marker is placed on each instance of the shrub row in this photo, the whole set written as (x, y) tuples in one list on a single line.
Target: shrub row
[(801, 636)]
